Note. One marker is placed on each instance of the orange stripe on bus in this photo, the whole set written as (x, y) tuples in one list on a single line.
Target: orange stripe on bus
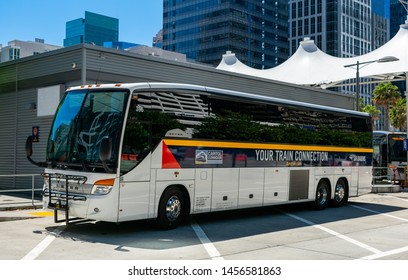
[(221, 144)]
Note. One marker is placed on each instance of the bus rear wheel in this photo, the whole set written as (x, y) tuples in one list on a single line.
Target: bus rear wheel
[(340, 193), (322, 197), (171, 209)]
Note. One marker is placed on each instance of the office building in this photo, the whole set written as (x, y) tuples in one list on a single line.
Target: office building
[(158, 40), (204, 30), (341, 28), (119, 45), (380, 23), (94, 29), (18, 49), (398, 15)]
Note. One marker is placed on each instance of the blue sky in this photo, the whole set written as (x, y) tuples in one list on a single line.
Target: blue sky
[(25, 20)]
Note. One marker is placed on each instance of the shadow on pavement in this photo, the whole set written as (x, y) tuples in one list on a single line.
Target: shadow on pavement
[(218, 226)]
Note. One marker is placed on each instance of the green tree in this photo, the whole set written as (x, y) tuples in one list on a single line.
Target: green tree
[(384, 95), (230, 125), (398, 114), (373, 112)]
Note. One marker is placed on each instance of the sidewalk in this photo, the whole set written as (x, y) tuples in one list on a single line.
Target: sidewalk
[(388, 188), (8, 203)]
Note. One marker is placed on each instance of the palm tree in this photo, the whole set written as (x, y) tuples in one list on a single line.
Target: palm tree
[(398, 114), (374, 113), (384, 95)]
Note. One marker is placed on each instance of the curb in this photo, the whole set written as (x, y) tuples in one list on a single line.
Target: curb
[(20, 207)]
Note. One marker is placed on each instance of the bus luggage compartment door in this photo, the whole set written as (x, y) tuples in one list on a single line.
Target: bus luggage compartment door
[(298, 184)]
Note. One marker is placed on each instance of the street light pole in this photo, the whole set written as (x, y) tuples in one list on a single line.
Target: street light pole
[(365, 63), (358, 86)]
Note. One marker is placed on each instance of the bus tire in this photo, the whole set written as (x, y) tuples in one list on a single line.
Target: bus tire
[(171, 209), (322, 198), (340, 193)]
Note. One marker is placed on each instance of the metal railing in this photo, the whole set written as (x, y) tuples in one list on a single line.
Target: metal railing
[(32, 189), (391, 175)]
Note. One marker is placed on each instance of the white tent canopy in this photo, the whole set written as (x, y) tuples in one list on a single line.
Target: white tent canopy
[(310, 66)]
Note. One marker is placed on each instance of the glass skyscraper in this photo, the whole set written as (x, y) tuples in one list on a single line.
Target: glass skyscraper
[(93, 29), (341, 28), (204, 30), (380, 22), (398, 16)]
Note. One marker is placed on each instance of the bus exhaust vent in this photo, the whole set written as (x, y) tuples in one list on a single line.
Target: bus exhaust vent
[(298, 184)]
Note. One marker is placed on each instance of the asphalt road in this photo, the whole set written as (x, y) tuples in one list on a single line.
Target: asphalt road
[(370, 227)]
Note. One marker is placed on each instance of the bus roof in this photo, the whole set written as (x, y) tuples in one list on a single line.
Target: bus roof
[(222, 92)]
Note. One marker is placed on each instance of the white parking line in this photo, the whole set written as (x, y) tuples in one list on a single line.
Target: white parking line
[(34, 253), (334, 233), (385, 254), (208, 246), (395, 197), (379, 213)]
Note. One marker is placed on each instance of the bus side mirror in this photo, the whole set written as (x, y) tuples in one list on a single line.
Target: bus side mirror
[(105, 149), (29, 146), (29, 152)]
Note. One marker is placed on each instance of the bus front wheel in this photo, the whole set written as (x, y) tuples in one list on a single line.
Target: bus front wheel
[(322, 198), (171, 209)]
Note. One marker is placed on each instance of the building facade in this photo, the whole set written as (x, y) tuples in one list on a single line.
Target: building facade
[(398, 15), (204, 30), (380, 23), (94, 29), (158, 40), (18, 49), (341, 28)]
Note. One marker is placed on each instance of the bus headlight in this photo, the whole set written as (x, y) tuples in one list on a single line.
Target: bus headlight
[(102, 187)]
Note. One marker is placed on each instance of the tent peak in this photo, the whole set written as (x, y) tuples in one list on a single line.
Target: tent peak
[(308, 45), (229, 58)]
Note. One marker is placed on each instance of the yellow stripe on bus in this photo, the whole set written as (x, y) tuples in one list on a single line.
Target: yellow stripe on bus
[(245, 145)]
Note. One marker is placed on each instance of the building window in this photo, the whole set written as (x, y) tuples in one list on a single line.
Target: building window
[(319, 24), (313, 7), (293, 10), (319, 6), (306, 26), (300, 9), (14, 54), (300, 33), (312, 25), (294, 28), (306, 8), (319, 41)]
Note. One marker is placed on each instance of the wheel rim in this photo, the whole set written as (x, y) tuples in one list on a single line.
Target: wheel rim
[(173, 208), (340, 192), (322, 195)]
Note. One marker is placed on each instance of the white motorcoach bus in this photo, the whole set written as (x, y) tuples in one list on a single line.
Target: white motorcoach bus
[(162, 151), (389, 156)]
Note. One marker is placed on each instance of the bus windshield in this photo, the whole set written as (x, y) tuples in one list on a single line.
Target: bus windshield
[(396, 148), (83, 119)]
